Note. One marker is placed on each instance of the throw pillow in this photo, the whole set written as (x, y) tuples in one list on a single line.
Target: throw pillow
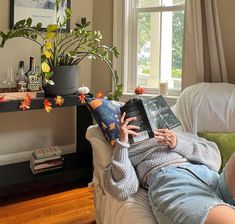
[(225, 142), (106, 114)]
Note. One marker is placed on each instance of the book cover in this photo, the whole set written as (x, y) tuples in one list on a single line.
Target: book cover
[(47, 152), (151, 114), (44, 170), (47, 164), (135, 108), (35, 161)]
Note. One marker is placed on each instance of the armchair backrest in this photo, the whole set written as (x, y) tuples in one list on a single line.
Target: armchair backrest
[(207, 107)]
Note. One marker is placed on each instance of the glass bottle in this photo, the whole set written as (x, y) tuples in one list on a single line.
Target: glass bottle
[(30, 65), (34, 80), (22, 79)]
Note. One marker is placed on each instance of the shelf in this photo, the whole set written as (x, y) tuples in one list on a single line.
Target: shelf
[(77, 168), (17, 178), (36, 104)]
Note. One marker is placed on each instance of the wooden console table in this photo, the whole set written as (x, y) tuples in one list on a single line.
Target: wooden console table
[(17, 177)]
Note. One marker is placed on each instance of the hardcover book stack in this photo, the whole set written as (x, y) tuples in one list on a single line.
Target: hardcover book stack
[(46, 159)]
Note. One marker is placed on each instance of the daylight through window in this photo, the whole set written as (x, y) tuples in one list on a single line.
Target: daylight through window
[(159, 42), (154, 43)]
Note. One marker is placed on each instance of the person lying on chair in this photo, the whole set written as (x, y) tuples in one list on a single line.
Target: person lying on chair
[(180, 172)]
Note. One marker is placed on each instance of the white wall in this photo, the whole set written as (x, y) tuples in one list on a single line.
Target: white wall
[(20, 132)]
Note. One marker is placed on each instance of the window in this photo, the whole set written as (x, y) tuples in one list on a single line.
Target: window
[(152, 42)]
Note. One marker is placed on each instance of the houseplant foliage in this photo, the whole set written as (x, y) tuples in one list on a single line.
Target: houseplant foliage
[(58, 48)]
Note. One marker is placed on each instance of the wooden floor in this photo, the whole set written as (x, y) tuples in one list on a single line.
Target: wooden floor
[(74, 206)]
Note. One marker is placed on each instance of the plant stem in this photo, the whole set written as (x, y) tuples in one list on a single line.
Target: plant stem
[(63, 45), (67, 35), (34, 41), (29, 29), (99, 56)]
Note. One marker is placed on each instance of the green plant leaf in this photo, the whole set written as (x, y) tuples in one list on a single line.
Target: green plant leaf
[(29, 22), (83, 21), (116, 76), (3, 39), (48, 74), (38, 26), (33, 36), (49, 81), (3, 43), (19, 24), (68, 13), (115, 51), (57, 5), (43, 58)]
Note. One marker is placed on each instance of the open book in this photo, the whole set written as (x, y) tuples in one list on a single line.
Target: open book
[(151, 114)]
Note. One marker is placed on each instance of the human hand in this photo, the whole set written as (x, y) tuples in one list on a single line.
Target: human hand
[(126, 128), (167, 137)]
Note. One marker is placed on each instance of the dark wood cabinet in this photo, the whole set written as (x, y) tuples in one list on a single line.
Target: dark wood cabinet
[(16, 178)]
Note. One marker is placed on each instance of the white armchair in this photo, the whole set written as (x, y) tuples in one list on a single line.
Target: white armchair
[(201, 107)]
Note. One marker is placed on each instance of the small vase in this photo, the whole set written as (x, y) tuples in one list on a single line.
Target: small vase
[(65, 81)]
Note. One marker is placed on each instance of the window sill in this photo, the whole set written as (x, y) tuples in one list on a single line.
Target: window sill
[(170, 99)]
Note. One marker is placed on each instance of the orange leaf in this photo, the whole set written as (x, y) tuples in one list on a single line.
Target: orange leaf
[(112, 126), (99, 94), (24, 105), (2, 99), (47, 105), (82, 98), (59, 100), (27, 99)]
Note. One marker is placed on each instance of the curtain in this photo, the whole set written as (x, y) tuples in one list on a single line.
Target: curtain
[(203, 54)]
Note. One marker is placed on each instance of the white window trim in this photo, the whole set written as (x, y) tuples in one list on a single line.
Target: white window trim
[(120, 40), (121, 37), (161, 9)]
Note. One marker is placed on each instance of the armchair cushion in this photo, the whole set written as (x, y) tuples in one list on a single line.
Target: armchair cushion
[(225, 142)]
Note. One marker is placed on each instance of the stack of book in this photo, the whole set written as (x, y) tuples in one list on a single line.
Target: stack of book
[(46, 159)]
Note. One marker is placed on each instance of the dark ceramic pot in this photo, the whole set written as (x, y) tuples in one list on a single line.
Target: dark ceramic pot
[(65, 79)]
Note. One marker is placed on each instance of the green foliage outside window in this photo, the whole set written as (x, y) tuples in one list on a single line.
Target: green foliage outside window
[(144, 35)]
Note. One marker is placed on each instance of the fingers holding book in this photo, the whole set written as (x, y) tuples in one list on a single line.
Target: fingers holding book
[(166, 136), (126, 128)]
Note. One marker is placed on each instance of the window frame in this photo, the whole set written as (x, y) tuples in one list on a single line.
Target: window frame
[(125, 13)]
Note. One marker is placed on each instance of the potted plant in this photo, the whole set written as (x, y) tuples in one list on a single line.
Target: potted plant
[(61, 52)]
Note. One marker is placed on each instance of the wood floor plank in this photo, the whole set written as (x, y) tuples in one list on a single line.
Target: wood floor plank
[(69, 207)]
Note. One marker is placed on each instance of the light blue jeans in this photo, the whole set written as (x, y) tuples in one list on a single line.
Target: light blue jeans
[(186, 193)]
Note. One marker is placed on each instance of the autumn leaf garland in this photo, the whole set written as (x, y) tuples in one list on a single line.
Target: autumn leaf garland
[(59, 101), (25, 104)]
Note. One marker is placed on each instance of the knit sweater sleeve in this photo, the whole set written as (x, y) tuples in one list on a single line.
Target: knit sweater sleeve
[(120, 178), (198, 150)]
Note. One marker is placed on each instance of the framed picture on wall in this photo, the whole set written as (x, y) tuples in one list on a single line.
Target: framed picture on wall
[(43, 11)]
